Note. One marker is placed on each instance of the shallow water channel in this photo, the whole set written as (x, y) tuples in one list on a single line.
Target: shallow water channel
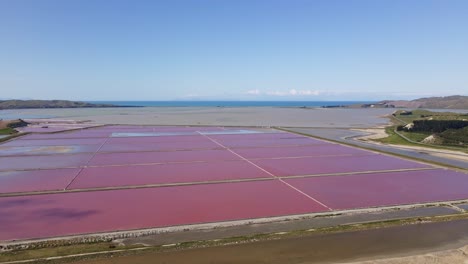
[(320, 248)]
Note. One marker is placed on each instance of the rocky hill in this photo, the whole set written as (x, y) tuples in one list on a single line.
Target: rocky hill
[(23, 104), (447, 102)]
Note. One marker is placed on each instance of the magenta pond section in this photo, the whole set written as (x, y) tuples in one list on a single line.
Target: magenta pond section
[(133, 129), (49, 129), (37, 180), (384, 189), (337, 164), (186, 129), (255, 136), (166, 174), (314, 150), (161, 157), (53, 215), (162, 146), (69, 135), (47, 150), (156, 139), (44, 162), (190, 166), (269, 142), (55, 142)]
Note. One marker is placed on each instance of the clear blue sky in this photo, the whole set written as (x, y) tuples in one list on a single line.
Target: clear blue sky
[(220, 49)]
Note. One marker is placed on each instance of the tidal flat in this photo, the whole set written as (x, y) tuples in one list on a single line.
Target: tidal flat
[(219, 116)]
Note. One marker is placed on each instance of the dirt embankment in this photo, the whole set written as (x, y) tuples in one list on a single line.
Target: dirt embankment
[(16, 123), (3, 124), (12, 123)]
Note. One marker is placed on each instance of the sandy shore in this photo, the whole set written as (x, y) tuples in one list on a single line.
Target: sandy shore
[(373, 133), (452, 256)]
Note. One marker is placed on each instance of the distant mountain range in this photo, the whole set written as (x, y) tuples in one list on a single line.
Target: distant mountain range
[(24, 104), (447, 102)]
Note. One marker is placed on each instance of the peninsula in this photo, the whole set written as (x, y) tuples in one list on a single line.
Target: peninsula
[(26, 104), (446, 102)]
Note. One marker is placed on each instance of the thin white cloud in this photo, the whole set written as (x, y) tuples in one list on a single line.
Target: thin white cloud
[(309, 92), (276, 93), (294, 92), (254, 92)]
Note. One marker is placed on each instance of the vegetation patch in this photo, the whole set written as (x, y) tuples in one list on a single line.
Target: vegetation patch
[(437, 129), (455, 136), (7, 131), (416, 136), (434, 126), (16, 123), (393, 138), (42, 253)]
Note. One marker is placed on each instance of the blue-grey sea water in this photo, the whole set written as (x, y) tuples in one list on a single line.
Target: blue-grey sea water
[(231, 103)]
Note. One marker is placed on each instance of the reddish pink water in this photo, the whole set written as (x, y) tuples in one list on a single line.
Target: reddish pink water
[(162, 139), (55, 142), (259, 136), (337, 164), (315, 150), (161, 157), (382, 189), (42, 180), (87, 212), (166, 173), (171, 159), (158, 146), (44, 162), (270, 142)]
